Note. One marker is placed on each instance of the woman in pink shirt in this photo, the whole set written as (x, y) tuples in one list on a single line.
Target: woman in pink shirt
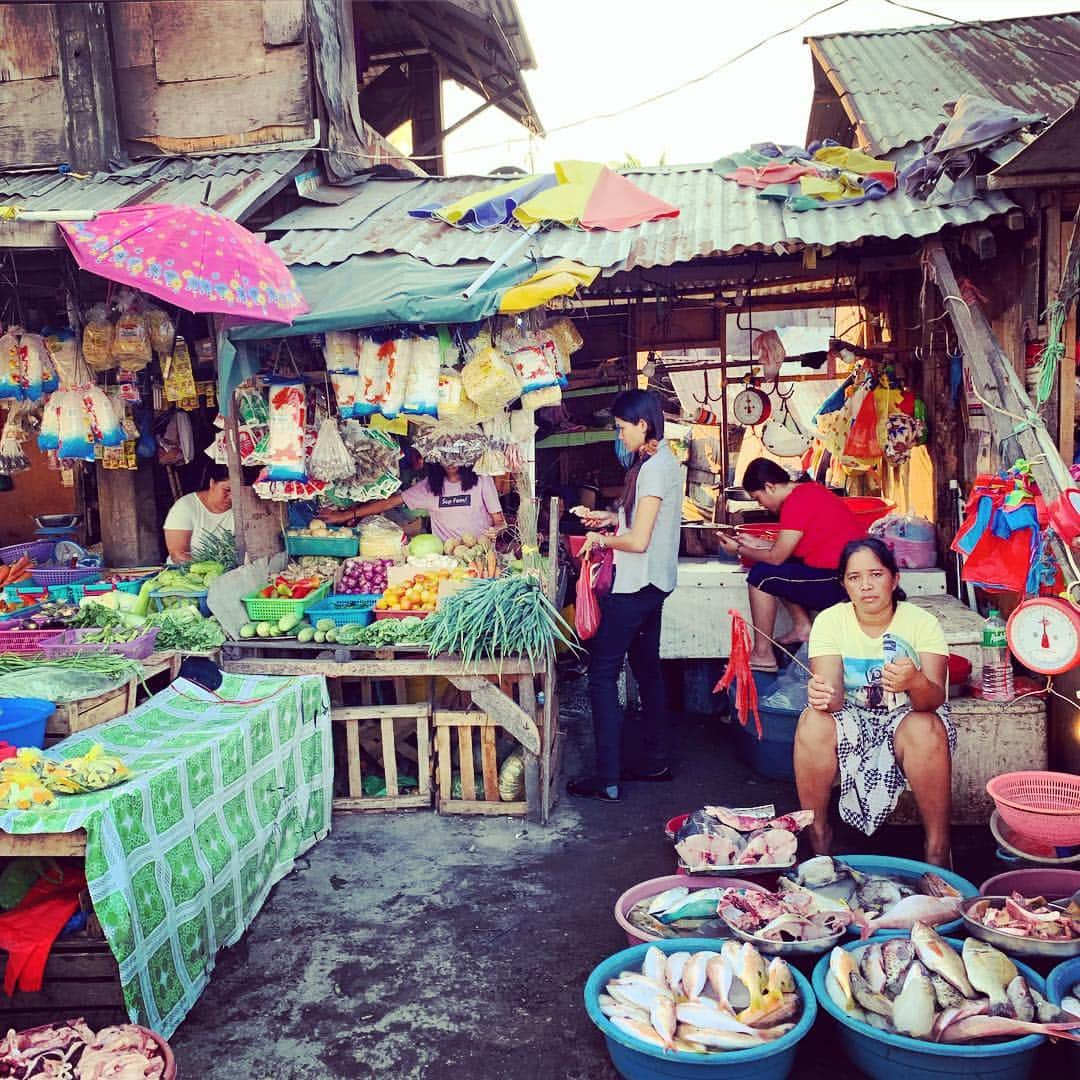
[(457, 500)]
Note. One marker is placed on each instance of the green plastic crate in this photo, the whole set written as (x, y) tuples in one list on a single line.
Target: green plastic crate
[(266, 609), (341, 547)]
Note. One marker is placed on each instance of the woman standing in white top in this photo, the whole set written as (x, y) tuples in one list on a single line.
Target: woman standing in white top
[(646, 547), (193, 517)]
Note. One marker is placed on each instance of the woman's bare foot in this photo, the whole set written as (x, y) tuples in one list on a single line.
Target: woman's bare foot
[(938, 856)]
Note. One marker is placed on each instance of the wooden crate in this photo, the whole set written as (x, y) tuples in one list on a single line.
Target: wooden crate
[(86, 713), (472, 801), (81, 979), (383, 732)]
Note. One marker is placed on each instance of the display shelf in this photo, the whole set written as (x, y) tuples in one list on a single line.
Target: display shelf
[(575, 438), (591, 391)]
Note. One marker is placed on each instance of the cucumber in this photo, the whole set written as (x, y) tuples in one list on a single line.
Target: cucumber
[(263, 629), (331, 635), (320, 637), (326, 625), (306, 634), (247, 630), (288, 622)]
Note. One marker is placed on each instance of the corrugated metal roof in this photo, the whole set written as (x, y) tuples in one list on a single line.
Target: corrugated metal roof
[(894, 83), (237, 183), (1056, 150), (717, 217)]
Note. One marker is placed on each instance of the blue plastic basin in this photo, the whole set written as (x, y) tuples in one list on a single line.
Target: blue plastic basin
[(636, 1061), (910, 869), (882, 1055), (772, 755), (22, 720), (1060, 982)]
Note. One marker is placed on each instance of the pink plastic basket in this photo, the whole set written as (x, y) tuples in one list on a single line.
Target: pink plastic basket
[(71, 642), (1044, 806), (19, 641)]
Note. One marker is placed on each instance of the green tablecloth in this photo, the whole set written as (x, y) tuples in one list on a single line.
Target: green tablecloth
[(179, 859)]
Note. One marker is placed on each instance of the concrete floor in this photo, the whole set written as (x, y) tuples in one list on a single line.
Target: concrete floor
[(418, 946)]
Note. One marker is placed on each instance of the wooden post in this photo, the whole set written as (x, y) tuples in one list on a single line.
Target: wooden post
[(1012, 418), (256, 524), (127, 509), (86, 73)]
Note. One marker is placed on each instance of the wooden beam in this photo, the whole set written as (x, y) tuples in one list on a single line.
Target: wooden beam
[(1032, 180), (398, 666), (55, 845), (502, 710), (1012, 418)]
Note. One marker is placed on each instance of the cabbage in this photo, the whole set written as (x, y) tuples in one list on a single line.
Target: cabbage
[(425, 544)]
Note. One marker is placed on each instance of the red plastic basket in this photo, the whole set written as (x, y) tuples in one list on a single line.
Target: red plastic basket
[(1044, 806), (867, 508), (760, 530)]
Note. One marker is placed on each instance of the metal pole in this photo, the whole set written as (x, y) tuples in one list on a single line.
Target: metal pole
[(508, 254)]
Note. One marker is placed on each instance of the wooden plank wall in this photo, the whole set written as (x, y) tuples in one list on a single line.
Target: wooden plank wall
[(176, 93)]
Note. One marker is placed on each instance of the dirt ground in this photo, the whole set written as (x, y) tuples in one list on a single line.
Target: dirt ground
[(417, 946)]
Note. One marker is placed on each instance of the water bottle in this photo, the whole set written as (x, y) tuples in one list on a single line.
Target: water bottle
[(997, 674)]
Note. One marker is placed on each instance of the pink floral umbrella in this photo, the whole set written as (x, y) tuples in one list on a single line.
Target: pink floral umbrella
[(190, 256)]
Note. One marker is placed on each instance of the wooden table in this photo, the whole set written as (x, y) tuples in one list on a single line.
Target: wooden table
[(531, 719)]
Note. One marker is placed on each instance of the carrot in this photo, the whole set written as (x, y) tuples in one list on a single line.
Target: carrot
[(22, 563), (22, 577), (5, 573), (491, 564)]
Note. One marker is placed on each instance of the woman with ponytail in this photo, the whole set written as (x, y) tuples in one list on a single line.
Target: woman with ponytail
[(646, 546)]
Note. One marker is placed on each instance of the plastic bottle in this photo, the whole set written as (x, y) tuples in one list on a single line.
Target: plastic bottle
[(997, 674)]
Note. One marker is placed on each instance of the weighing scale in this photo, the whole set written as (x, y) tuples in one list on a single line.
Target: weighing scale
[(1044, 633)]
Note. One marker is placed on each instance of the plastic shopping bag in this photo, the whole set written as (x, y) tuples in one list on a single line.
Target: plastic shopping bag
[(862, 441), (587, 604)]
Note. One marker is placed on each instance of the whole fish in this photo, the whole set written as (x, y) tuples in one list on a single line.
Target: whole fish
[(676, 965), (929, 910), (780, 977), (662, 901), (655, 965), (872, 968), (935, 885), (842, 967), (957, 1012), (913, 1009), (639, 1029), (634, 989), (697, 905), (1021, 1003), (871, 1002), (878, 894), (612, 1008), (786, 1009), (990, 971), (1046, 1012), (753, 975), (1004, 1027), (777, 1031), (662, 1018), (720, 976), (640, 919), (897, 956), (695, 973), (703, 1015), (937, 955), (948, 997), (721, 1040)]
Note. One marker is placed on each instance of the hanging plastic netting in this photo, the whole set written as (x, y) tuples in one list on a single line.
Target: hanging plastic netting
[(97, 339), (330, 458)]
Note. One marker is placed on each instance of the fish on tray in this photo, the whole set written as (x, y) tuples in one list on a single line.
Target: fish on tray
[(791, 916), (704, 1002), (1026, 918), (923, 988), (678, 912), (716, 836)]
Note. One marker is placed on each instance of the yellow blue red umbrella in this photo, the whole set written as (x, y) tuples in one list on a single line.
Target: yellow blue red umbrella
[(582, 194)]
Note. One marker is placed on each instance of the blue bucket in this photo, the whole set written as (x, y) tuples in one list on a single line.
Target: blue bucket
[(882, 1055), (773, 754), (637, 1061), (1060, 982), (22, 720), (913, 870)]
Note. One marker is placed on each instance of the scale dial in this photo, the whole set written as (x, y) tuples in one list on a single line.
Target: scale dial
[(751, 407), (1044, 635)]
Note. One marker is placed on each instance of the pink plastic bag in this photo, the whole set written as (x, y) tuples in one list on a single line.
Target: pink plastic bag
[(586, 605)]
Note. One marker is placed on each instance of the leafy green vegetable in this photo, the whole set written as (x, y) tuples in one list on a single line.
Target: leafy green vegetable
[(97, 615), (186, 629)]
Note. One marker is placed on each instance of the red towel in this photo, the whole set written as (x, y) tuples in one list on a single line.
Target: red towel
[(28, 931)]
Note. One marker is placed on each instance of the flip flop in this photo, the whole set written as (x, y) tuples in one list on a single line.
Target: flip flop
[(765, 668)]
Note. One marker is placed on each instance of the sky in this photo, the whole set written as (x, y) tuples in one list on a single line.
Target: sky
[(602, 56)]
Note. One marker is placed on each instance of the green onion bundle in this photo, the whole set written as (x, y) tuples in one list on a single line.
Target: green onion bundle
[(505, 616), (111, 665)]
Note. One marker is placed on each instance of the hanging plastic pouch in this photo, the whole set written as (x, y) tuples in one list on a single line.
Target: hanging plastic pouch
[(11, 381), (97, 339), (422, 389), (586, 604), (62, 349), (131, 342), (33, 354), (369, 372), (397, 353), (344, 384), (535, 365), (285, 443), (862, 440)]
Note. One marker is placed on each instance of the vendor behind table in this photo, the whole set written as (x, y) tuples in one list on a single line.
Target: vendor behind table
[(195, 516)]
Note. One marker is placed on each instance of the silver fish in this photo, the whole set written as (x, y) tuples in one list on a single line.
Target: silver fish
[(654, 965), (639, 1029), (633, 989), (676, 964), (720, 976), (866, 997), (872, 968), (662, 1018), (897, 956), (913, 1009), (696, 905), (722, 1040), (641, 920), (662, 901), (929, 910), (703, 1015), (612, 1008), (990, 971), (1022, 1004), (937, 955), (695, 973), (999, 1027)]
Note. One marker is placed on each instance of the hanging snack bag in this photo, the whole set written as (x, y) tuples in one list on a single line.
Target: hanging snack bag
[(11, 370), (490, 381), (97, 339), (422, 389), (534, 363), (398, 356), (368, 372), (131, 342), (285, 444), (251, 407), (32, 353), (161, 330), (339, 351), (49, 432), (451, 393), (566, 337), (64, 354), (50, 379), (179, 376)]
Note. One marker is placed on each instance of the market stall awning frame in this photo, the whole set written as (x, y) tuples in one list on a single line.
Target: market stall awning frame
[(190, 256)]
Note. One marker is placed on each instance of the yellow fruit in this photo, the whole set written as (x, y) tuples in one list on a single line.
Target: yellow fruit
[(381, 605)]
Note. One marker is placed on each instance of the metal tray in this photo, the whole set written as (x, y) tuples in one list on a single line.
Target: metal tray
[(1034, 948)]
